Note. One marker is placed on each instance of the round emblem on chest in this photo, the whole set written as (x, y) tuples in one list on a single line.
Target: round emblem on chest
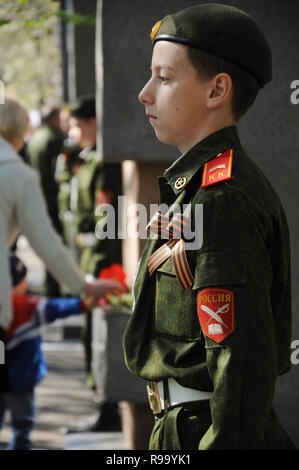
[(180, 182)]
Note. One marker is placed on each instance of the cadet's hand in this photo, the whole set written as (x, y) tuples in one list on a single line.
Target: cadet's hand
[(100, 287)]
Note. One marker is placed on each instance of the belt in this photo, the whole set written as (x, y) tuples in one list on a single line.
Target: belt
[(177, 394)]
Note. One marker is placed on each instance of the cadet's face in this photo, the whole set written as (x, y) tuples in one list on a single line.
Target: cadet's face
[(83, 131), (174, 97)]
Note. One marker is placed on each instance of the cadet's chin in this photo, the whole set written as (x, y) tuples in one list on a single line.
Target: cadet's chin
[(162, 138)]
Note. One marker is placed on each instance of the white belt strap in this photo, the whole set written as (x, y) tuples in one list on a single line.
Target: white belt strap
[(179, 394)]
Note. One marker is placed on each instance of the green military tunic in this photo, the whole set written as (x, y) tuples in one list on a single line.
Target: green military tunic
[(93, 183), (245, 251), (43, 149), (66, 166)]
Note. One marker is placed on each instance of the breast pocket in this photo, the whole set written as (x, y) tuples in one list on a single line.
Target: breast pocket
[(175, 309)]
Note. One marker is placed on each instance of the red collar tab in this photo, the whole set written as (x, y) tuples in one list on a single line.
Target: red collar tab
[(217, 170)]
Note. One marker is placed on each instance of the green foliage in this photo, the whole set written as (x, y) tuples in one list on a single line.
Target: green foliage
[(123, 302), (30, 53), (76, 18), (21, 10)]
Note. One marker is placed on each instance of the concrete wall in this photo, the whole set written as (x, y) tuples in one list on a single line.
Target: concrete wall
[(269, 131)]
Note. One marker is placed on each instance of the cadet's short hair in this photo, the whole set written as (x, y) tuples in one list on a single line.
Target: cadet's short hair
[(14, 120), (245, 86)]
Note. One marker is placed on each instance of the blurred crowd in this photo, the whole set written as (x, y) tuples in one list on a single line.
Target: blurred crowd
[(51, 180)]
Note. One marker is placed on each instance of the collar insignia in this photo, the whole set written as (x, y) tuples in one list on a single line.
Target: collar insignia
[(217, 170)]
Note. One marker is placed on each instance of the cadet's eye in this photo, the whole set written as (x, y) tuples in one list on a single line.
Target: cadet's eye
[(163, 79)]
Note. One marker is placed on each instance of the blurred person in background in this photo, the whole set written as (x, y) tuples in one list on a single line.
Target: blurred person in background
[(67, 163), (42, 150), (23, 208), (64, 119), (92, 183), (25, 361)]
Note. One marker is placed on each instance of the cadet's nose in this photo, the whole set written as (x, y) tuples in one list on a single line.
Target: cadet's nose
[(145, 96)]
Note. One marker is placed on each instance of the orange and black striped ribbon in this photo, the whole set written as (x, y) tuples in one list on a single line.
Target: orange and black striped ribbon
[(175, 247)]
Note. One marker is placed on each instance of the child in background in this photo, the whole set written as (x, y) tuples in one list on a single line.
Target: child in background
[(25, 361)]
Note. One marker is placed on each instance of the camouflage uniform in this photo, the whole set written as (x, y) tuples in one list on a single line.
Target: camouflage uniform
[(94, 183), (42, 150), (68, 162)]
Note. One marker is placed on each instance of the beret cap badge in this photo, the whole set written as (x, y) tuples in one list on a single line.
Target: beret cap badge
[(155, 30)]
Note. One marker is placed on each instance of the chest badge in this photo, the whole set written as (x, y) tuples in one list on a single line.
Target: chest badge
[(216, 314), (217, 170), (180, 182)]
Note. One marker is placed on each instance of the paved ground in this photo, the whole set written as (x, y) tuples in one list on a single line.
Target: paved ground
[(62, 396)]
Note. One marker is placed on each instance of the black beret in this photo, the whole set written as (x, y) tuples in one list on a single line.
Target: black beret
[(84, 108), (221, 30), (17, 269)]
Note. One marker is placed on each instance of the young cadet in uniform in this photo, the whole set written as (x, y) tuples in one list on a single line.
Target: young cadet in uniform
[(211, 326)]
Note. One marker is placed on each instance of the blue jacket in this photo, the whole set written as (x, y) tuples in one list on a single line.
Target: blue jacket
[(24, 357)]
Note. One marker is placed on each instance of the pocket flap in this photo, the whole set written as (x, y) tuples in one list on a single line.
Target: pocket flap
[(217, 269), (167, 267)]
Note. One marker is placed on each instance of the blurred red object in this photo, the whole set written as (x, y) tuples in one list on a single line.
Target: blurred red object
[(115, 271)]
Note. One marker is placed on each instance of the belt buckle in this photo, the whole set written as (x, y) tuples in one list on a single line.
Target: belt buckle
[(154, 397)]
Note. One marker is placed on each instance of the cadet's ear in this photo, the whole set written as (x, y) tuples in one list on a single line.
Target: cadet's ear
[(220, 90)]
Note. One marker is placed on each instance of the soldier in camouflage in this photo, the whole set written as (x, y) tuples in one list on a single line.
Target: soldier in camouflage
[(42, 150), (92, 183)]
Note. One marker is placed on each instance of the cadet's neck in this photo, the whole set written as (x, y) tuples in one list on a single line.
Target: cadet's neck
[(209, 127)]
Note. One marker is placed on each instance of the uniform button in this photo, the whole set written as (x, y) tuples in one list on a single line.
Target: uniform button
[(180, 182)]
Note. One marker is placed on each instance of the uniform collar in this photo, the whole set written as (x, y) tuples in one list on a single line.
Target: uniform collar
[(185, 167), (86, 151)]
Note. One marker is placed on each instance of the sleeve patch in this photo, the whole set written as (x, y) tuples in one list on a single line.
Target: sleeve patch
[(216, 313)]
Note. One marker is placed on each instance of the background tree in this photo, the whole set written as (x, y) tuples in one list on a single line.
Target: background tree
[(30, 50)]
